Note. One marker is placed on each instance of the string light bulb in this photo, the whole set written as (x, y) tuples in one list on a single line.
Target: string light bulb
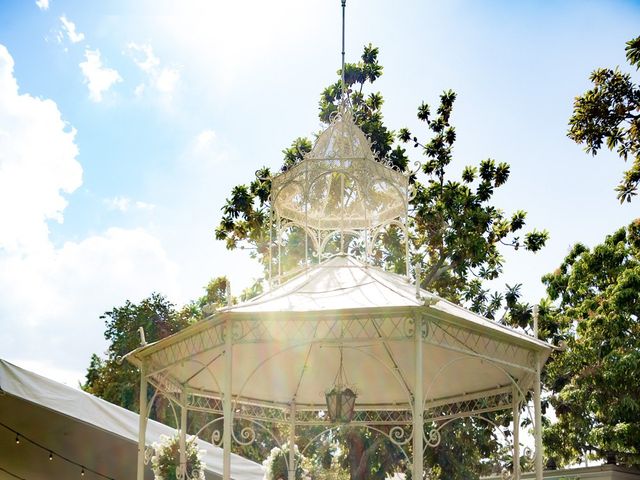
[(20, 439)]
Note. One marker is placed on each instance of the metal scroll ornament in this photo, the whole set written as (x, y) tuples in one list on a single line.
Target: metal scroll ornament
[(432, 438), (399, 435)]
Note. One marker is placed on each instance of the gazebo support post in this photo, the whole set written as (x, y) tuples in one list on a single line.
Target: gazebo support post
[(418, 407), (270, 248), (183, 434), (537, 405), (538, 421), (292, 441), (226, 407), (142, 421), (515, 395), (406, 249)]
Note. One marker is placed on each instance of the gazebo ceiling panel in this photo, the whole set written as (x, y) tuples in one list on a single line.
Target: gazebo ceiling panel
[(382, 373)]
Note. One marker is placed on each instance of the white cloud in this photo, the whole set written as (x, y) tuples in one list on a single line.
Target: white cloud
[(37, 164), (162, 79), (205, 140), (99, 78), (118, 203), (49, 302), (51, 296), (70, 29), (43, 4), (144, 205), (139, 90), (124, 204), (143, 56), (206, 149), (167, 79)]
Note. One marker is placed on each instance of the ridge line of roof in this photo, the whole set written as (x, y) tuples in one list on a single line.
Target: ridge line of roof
[(385, 283)]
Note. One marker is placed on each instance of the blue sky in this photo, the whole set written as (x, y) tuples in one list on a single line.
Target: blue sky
[(131, 123)]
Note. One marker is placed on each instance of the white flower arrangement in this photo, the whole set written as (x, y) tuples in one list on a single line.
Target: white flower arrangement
[(275, 464), (165, 461)]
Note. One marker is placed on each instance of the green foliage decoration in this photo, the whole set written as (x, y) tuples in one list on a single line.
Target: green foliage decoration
[(166, 459)]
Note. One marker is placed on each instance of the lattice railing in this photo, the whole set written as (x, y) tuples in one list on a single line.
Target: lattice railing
[(472, 405), (180, 351), (452, 337), (324, 328)]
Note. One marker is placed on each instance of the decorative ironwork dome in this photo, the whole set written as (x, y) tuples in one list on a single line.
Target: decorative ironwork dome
[(340, 185)]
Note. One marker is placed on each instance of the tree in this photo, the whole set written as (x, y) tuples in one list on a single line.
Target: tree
[(118, 382), (594, 383), (456, 232), (610, 113)]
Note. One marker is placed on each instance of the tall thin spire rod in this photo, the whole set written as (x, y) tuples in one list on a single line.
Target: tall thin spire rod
[(344, 85)]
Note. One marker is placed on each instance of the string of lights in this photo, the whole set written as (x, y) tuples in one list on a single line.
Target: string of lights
[(11, 474), (52, 455)]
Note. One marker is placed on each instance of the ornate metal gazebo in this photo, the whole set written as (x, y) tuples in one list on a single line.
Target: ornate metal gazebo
[(415, 362)]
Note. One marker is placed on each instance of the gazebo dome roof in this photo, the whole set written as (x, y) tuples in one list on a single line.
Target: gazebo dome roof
[(285, 344), (343, 283), (340, 185)]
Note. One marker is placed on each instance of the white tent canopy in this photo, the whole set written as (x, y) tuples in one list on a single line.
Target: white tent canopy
[(85, 429)]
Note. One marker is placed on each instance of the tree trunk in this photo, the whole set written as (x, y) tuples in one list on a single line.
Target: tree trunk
[(356, 454)]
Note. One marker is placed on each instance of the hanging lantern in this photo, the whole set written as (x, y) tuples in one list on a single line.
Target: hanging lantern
[(341, 400)]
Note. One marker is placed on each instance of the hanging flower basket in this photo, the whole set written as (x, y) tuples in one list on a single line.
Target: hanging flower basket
[(165, 462)]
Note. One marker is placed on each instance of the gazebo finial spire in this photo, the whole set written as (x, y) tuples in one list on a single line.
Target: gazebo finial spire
[(344, 83)]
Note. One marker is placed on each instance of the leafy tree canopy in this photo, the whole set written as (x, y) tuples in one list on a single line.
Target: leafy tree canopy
[(609, 114), (118, 382), (595, 382)]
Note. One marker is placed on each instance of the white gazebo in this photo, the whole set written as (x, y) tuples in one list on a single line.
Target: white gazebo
[(343, 332)]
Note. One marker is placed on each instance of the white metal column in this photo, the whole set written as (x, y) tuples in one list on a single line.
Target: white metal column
[(418, 407), (537, 406), (183, 434), (292, 442), (226, 407), (538, 421), (407, 260), (142, 421), (516, 432)]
